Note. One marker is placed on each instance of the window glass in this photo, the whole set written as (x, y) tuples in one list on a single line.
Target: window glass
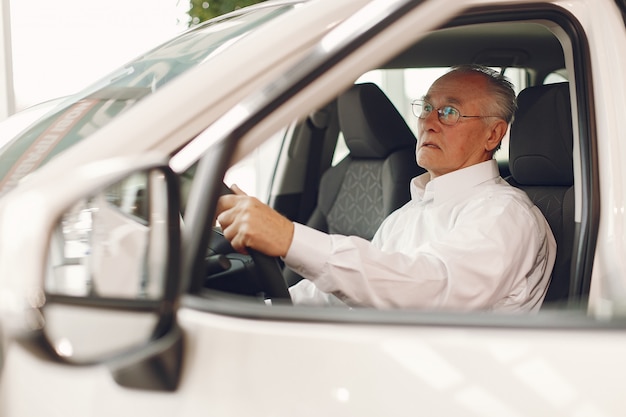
[(341, 150), (254, 173), (88, 111), (556, 77)]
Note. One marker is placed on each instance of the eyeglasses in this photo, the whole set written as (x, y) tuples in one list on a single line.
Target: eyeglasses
[(447, 115)]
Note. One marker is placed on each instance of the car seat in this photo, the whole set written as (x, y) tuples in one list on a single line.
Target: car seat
[(373, 179), (541, 163)]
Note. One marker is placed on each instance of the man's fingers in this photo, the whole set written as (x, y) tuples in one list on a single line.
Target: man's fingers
[(235, 238), (222, 219), (234, 201), (231, 228), (246, 222), (228, 201), (238, 233)]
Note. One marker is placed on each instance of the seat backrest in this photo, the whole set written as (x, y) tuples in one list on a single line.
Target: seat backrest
[(373, 179), (541, 163)]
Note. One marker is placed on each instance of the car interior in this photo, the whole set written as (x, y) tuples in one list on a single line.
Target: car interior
[(347, 166)]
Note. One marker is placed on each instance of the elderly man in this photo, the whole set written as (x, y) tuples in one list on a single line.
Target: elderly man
[(467, 240)]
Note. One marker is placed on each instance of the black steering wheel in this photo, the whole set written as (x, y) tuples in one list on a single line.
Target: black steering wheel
[(269, 272)]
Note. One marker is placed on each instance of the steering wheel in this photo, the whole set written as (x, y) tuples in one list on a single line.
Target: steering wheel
[(269, 272)]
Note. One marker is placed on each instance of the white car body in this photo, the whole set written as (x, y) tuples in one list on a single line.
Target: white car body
[(303, 361)]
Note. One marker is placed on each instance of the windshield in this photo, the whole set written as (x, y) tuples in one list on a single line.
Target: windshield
[(96, 106)]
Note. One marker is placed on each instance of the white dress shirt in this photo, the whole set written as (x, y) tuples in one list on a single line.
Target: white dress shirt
[(467, 240)]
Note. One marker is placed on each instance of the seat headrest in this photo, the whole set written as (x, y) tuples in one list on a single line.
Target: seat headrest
[(540, 148), (371, 124)]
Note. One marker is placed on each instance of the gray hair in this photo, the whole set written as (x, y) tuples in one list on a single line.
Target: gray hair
[(504, 103)]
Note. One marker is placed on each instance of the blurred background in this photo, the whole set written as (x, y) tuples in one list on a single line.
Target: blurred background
[(53, 48)]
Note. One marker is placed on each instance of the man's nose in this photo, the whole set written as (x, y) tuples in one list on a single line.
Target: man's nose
[(430, 121)]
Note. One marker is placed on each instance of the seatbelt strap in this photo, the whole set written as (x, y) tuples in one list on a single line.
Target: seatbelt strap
[(317, 123)]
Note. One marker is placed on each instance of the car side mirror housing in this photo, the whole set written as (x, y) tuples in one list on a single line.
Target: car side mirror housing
[(111, 281)]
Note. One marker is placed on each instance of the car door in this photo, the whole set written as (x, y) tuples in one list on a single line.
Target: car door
[(239, 356), (440, 363)]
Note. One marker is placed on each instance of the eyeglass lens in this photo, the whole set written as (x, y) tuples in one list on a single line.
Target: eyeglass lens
[(447, 114)]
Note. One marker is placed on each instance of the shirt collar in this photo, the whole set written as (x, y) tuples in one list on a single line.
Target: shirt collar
[(453, 184)]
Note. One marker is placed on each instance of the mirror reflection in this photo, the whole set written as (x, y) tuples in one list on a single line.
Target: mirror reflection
[(113, 244)]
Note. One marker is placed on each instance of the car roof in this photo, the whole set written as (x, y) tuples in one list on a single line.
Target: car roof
[(512, 44)]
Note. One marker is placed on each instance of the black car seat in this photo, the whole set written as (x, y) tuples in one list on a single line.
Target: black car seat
[(373, 179), (541, 163)]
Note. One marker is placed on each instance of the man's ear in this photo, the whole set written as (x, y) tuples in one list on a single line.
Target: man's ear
[(496, 133)]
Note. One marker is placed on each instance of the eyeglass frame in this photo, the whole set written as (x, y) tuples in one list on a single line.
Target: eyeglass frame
[(440, 113)]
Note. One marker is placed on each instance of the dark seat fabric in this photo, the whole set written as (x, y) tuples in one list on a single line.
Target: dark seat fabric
[(373, 180), (541, 163)]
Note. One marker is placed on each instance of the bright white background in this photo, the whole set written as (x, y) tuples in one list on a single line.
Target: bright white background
[(61, 46)]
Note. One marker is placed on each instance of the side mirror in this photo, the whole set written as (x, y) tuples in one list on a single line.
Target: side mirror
[(111, 281), (113, 244)]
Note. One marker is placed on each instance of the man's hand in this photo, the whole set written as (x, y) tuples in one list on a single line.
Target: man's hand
[(248, 223)]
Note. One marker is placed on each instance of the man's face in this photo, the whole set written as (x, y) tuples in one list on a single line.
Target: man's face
[(441, 148)]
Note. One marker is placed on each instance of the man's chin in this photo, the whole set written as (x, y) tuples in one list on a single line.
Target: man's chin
[(425, 156)]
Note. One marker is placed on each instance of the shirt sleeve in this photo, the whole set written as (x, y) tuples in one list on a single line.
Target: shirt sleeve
[(483, 261)]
